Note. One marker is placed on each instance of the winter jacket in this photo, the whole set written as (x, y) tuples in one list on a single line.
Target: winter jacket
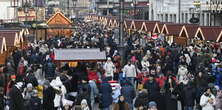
[(182, 75), (16, 99), (94, 90), (141, 99), (49, 70), (152, 89), (189, 95), (106, 94), (35, 103), (130, 70), (204, 102), (109, 68), (128, 92)]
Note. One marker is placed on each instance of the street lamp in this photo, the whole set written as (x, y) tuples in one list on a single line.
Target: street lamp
[(133, 4)]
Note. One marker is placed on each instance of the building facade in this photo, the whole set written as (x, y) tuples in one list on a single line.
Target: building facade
[(181, 11)]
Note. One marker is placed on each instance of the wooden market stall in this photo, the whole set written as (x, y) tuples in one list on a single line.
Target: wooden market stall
[(110, 23), (59, 25), (143, 27), (73, 56), (12, 39), (3, 50), (208, 33), (115, 23), (172, 32), (138, 24), (152, 26), (133, 26)]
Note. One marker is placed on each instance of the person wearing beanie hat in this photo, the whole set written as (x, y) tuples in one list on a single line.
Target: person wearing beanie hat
[(152, 105)]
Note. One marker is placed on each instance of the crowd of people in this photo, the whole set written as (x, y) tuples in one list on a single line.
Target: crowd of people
[(150, 74)]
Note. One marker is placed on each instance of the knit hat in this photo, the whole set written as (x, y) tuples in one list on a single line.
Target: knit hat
[(152, 104), (29, 85)]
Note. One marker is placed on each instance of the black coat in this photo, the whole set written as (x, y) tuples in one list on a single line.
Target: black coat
[(35, 103), (142, 99), (49, 69), (16, 99), (106, 92), (152, 89), (48, 98), (189, 95)]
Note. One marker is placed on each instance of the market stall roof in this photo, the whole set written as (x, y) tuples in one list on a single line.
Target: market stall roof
[(127, 23), (152, 26), (172, 29), (79, 55), (12, 37), (138, 24), (188, 30), (143, 27), (208, 33), (133, 25)]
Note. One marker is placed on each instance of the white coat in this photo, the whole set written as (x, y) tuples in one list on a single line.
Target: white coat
[(204, 102), (182, 75), (109, 68), (130, 70)]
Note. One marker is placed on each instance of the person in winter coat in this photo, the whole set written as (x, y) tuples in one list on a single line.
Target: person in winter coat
[(84, 92), (141, 99), (109, 68), (84, 105), (106, 95), (94, 92), (129, 93), (48, 96), (171, 94), (49, 68), (145, 64), (201, 85), (218, 105), (28, 92), (130, 71), (182, 75), (116, 93), (152, 88), (35, 101), (15, 96), (207, 100), (60, 92), (189, 94), (121, 105)]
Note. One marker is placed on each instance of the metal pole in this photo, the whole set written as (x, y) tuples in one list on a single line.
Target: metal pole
[(68, 8), (210, 13), (179, 9), (121, 30), (107, 11)]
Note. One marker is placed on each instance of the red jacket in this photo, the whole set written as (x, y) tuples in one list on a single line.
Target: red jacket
[(92, 75)]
